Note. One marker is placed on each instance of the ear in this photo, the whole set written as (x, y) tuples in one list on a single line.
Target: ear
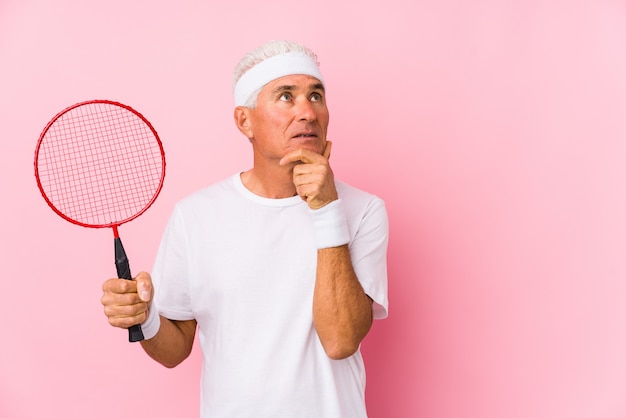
[(243, 122)]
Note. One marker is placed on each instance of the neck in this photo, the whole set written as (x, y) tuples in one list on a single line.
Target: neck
[(273, 184)]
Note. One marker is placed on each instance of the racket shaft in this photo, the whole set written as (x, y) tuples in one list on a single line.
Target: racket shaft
[(123, 272)]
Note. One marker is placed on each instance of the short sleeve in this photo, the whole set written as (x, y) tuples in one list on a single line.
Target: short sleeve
[(170, 272), (368, 250)]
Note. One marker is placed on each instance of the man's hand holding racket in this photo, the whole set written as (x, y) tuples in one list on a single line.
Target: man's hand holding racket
[(127, 302)]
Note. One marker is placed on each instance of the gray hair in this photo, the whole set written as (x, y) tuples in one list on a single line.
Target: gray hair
[(265, 51)]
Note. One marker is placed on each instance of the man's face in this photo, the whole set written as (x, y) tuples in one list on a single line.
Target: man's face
[(291, 113)]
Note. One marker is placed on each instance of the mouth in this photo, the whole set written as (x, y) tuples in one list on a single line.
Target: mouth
[(306, 135)]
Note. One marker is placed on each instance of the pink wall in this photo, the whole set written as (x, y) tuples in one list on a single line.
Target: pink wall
[(495, 131)]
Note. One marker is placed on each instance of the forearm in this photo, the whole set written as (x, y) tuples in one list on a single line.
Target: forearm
[(173, 343), (342, 312)]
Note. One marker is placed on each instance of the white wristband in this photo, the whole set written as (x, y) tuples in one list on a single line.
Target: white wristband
[(330, 225), (151, 325)]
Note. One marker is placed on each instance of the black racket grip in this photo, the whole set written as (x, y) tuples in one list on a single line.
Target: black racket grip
[(123, 272)]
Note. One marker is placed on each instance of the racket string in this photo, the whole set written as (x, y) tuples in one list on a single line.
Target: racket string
[(100, 164)]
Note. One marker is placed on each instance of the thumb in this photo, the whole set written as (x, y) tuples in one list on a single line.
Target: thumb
[(144, 286), (329, 145)]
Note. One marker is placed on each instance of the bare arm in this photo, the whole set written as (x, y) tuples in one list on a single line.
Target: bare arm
[(173, 343), (342, 312), (127, 303)]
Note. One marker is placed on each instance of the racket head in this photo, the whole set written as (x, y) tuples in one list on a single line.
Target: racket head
[(99, 163)]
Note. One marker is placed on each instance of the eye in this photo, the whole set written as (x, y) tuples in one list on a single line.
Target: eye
[(316, 97), (285, 97)]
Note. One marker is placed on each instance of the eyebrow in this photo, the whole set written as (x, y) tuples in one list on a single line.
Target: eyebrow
[(280, 89)]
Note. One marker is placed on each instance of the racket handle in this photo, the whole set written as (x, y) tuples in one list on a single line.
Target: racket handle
[(123, 271)]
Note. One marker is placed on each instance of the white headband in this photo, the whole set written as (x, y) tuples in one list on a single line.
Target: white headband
[(272, 68)]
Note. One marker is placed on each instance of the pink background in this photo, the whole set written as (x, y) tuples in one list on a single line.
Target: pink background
[(494, 130)]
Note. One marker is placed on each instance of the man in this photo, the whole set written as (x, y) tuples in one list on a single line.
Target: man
[(280, 268)]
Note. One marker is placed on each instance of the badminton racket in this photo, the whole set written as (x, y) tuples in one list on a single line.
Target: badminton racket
[(100, 164)]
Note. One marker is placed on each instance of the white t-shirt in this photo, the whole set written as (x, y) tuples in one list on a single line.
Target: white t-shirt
[(244, 266)]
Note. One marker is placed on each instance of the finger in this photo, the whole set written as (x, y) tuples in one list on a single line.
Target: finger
[(300, 155), (112, 299), (119, 286), (292, 157), (129, 310), (144, 286), (127, 321)]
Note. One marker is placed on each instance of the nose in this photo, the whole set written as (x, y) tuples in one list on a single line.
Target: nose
[(305, 110)]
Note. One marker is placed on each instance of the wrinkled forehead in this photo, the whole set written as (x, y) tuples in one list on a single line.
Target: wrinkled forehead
[(274, 68)]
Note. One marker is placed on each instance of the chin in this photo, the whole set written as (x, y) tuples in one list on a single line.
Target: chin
[(315, 146)]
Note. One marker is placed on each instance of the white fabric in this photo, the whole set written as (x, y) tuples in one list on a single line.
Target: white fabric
[(272, 69), (330, 225), (244, 267), (152, 324)]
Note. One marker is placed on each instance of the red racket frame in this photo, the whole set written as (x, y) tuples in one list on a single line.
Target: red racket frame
[(112, 225), (121, 261)]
